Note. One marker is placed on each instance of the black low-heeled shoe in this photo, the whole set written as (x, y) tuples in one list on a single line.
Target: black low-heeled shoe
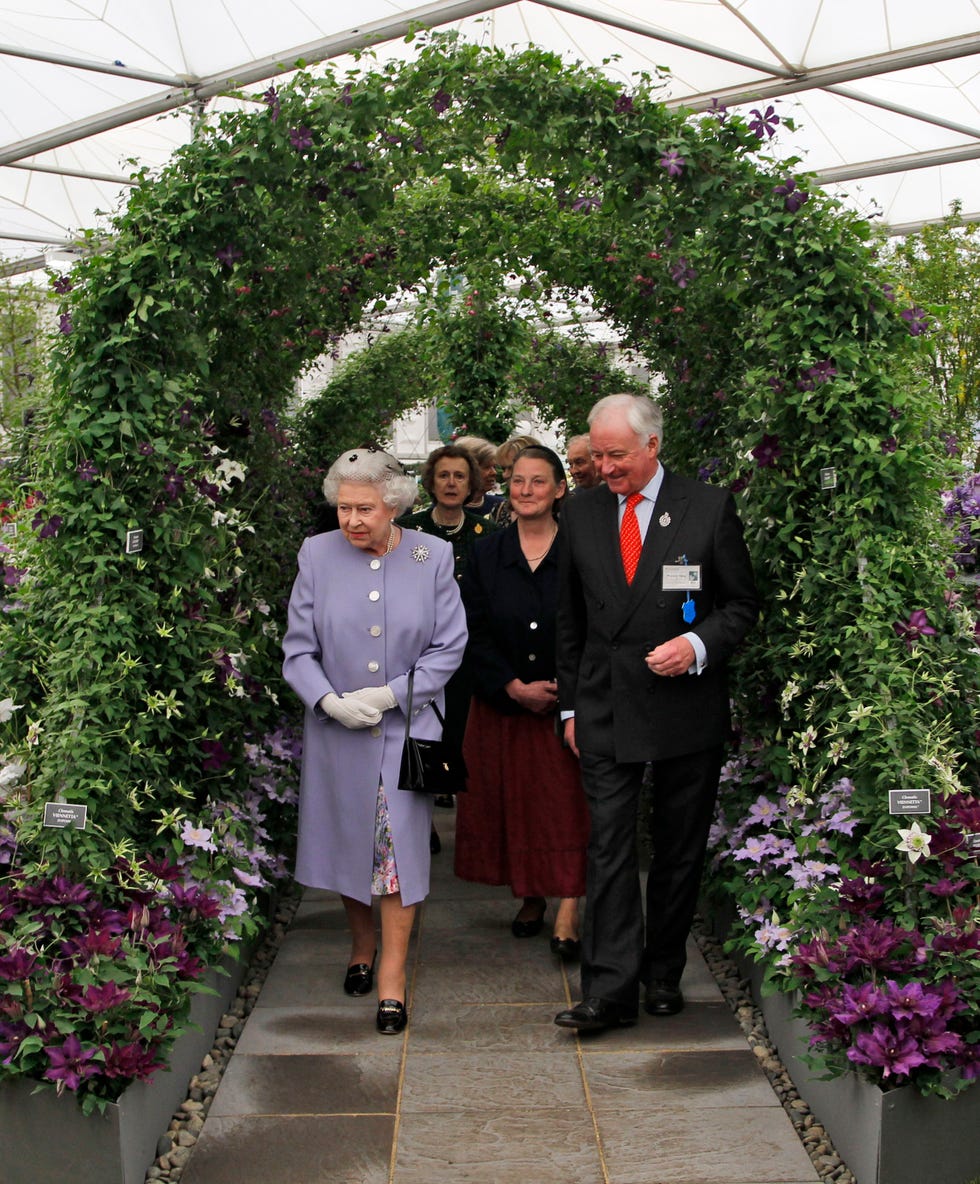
[(529, 928), (392, 1017), (569, 949), (359, 978)]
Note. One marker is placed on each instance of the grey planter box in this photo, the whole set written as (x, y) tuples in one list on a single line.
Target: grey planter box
[(898, 1137), (45, 1139)]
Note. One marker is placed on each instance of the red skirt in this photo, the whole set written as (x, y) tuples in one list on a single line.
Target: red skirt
[(524, 821)]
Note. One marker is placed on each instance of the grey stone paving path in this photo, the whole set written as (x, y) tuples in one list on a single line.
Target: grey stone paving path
[(482, 1088)]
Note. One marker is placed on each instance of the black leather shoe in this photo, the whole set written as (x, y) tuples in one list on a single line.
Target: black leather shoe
[(567, 948), (595, 1015), (530, 928), (662, 999), (392, 1017), (435, 843), (359, 978)]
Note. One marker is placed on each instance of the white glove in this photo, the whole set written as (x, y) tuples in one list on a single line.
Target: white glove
[(351, 712), (382, 698)]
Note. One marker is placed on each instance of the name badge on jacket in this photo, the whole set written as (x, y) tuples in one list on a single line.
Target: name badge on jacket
[(682, 577)]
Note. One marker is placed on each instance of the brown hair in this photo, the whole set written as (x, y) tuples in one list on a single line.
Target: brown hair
[(455, 452)]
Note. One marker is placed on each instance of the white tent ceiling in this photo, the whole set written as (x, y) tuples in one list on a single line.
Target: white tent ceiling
[(885, 93)]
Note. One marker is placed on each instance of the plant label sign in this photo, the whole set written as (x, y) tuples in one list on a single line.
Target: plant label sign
[(971, 843), (134, 542), (909, 801), (63, 814)]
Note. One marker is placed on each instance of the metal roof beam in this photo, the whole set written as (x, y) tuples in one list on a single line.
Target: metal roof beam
[(922, 116), (37, 238), (632, 26), (898, 164), (903, 228), (117, 69), (360, 37), (22, 266), (826, 76), (111, 178)]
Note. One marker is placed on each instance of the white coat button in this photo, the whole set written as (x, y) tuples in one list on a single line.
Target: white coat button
[(533, 625), (374, 595), (375, 731), (375, 564), (532, 657), (375, 631), (372, 666)]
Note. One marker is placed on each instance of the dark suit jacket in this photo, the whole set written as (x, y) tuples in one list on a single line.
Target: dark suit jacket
[(606, 627)]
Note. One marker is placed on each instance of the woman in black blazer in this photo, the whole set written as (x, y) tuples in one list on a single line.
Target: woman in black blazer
[(524, 822)]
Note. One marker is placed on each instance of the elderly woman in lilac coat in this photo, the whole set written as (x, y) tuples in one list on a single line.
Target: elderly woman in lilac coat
[(369, 603)]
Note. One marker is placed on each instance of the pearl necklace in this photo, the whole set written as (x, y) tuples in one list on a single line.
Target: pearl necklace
[(449, 529), (391, 538)]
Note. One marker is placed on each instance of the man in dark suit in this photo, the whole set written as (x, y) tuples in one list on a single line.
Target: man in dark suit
[(656, 591)]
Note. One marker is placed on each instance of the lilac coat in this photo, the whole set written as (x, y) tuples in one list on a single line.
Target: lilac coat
[(357, 620)]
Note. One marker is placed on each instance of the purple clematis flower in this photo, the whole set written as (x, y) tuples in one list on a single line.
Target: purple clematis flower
[(623, 105), (441, 101), (859, 1003), (682, 272), (227, 255), (65, 323), (16, 965), (70, 1064), (62, 285), (673, 162), (767, 452), (916, 320), (792, 196), (894, 1055), (104, 998), (271, 96), (915, 628), (88, 470), (50, 528), (585, 205), (764, 125), (301, 138)]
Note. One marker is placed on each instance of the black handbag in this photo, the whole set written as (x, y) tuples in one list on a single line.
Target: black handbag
[(429, 766)]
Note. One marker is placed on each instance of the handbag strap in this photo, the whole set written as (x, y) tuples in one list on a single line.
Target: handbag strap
[(408, 704)]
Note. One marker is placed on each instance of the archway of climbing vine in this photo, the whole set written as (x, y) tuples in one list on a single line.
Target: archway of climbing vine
[(142, 674)]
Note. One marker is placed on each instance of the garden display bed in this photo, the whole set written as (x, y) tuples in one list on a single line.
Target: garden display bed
[(48, 1140), (894, 1137)]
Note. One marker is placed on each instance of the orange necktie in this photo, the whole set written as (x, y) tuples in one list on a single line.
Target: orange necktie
[(630, 543)]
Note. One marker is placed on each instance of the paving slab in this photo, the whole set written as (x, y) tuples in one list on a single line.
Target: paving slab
[(482, 1087)]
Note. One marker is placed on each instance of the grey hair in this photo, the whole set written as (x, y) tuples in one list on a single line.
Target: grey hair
[(583, 439), (642, 414), (483, 450), (371, 466)]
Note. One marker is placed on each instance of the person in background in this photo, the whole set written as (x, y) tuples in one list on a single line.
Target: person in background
[(656, 592), (487, 503), (450, 476), (369, 603), (580, 466), (524, 821), (507, 453)]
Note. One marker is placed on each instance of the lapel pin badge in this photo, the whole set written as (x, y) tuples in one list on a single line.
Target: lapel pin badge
[(664, 520)]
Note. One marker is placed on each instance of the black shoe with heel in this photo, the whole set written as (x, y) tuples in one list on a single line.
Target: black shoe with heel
[(359, 978), (569, 949), (392, 1017), (531, 928)]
